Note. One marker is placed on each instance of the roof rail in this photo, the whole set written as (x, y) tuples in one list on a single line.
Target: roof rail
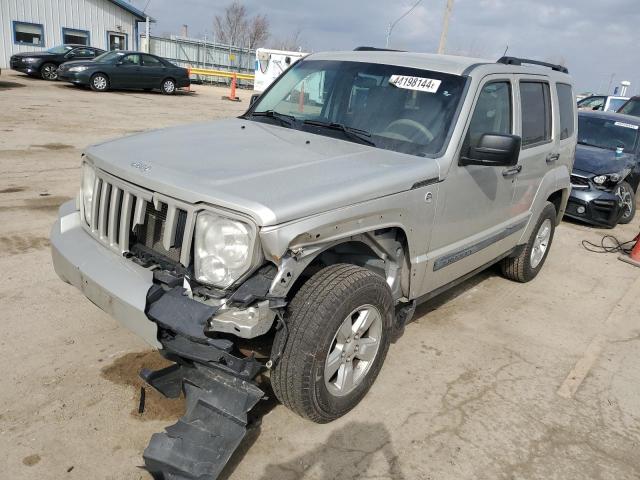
[(520, 61), (375, 49)]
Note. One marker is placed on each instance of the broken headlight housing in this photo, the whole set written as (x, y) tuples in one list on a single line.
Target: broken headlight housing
[(224, 249), (610, 179), (86, 190)]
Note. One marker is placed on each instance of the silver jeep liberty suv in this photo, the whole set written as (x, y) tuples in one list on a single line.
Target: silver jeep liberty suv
[(293, 243)]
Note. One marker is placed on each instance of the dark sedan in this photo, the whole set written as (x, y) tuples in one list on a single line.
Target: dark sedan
[(631, 107), (126, 70), (606, 170), (45, 64)]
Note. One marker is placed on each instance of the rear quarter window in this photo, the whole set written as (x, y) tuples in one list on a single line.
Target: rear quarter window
[(536, 113), (565, 105)]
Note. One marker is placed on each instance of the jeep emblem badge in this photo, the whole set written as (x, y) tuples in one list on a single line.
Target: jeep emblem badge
[(143, 167)]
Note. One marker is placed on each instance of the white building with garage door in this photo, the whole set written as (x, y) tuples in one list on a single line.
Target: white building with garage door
[(34, 25)]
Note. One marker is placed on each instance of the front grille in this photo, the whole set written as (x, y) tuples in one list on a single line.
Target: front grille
[(15, 62), (579, 182), (124, 215), (151, 232)]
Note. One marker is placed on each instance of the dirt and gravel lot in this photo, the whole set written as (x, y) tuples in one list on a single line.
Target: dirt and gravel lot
[(493, 380)]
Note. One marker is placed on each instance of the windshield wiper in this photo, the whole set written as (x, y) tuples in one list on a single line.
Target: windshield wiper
[(355, 133), (284, 119), (589, 144)]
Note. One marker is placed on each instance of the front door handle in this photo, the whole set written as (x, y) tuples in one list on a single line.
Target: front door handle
[(553, 157), (510, 172)]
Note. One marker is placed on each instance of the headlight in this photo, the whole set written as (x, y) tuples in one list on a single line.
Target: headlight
[(86, 190), (600, 179), (223, 249), (29, 60), (78, 69), (611, 178)]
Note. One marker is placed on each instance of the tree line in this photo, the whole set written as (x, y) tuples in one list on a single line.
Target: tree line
[(236, 27)]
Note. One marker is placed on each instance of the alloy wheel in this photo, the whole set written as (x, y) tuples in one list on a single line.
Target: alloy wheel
[(541, 243), (625, 200), (353, 350), (49, 72)]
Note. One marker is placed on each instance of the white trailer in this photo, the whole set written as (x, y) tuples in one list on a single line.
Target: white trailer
[(270, 64)]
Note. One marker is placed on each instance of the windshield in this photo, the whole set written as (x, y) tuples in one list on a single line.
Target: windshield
[(396, 108), (604, 133), (632, 107), (108, 57), (60, 49)]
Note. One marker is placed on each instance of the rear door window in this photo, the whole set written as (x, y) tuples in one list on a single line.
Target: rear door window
[(565, 105), (535, 102), (149, 61)]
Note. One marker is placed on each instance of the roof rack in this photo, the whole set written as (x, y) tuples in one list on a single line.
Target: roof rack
[(375, 49), (520, 61)]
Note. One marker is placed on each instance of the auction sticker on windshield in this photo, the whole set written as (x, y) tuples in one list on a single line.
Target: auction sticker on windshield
[(626, 125), (415, 83)]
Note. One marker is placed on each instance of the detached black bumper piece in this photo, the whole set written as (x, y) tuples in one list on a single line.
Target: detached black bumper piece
[(200, 444), (218, 388), (597, 207)]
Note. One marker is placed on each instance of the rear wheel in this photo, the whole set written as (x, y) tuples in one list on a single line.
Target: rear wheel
[(49, 71), (339, 328), (168, 86), (99, 82), (529, 262), (627, 198)]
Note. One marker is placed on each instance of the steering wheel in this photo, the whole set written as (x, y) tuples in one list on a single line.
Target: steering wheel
[(402, 124)]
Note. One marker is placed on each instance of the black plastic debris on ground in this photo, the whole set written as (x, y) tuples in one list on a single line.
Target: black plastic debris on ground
[(201, 443)]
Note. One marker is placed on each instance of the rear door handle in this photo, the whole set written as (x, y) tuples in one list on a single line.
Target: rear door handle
[(510, 172), (553, 157)]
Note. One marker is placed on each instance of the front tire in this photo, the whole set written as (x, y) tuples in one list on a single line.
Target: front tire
[(49, 71), (339, 329), (99, 82), (168, 86), (526, 266), (628, 201)]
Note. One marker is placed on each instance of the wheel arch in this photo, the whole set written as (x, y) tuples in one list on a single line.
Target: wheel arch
[(384, 251), (559, 199)]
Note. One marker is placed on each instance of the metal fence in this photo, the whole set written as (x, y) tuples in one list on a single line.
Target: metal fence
[(194, 53)]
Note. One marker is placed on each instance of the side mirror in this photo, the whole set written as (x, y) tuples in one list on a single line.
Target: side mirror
[(254, 98), (494, 150)]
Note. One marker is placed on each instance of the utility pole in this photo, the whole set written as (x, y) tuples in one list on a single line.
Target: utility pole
[(445, 27), (610, 83), (393, 24)]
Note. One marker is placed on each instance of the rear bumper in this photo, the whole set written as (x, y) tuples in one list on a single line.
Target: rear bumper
[(600, 208), (113, 283)]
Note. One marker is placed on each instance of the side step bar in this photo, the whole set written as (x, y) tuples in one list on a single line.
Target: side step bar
[(201, 443)]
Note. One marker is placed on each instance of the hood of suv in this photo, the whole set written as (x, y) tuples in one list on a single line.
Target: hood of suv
[(599, 161), (270, 173)]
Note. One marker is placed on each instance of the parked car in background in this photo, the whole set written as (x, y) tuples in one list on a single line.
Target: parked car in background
[(606, 169), (631, 107), (603, 103), (45, 64), (127, 70)]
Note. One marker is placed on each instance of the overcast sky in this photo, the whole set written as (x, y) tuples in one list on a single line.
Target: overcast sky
[(594, 38)]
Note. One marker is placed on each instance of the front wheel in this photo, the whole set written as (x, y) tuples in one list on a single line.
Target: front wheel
[(99, 82), (627, 199), (524, 267), (49, 71), (339, 329)]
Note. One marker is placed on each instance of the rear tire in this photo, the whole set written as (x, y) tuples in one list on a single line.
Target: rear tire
[(99, 82), (628, 199), (339, 329), (49, 71), (526, 266), (168, 86)]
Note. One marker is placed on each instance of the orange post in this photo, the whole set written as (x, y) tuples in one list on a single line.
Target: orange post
[(232, 94), (634, 257)]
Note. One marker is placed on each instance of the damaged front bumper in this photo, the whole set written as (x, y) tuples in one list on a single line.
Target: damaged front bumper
[(594, 206), (215, 377)]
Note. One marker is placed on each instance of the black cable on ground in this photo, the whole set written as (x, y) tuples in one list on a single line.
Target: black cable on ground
[(609, 244)]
